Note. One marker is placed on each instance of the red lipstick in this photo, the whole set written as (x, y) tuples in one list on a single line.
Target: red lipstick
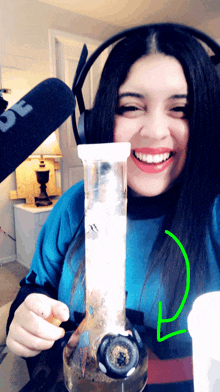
[(153, 151), (152, 167)]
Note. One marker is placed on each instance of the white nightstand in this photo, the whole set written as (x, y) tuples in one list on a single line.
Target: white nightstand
[(28, 223)]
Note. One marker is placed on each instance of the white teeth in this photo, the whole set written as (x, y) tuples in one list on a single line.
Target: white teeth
[(149, 158), (158, 158)]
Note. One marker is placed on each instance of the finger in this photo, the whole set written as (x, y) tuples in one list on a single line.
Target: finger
[(60, 311), (36, 325), (40, 304), (31, 341), (52, 310), (20, 349)]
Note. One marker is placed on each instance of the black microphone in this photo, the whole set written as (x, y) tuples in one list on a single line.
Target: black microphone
[(31, 120)]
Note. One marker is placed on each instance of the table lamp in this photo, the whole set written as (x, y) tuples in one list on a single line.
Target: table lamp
[(48, 149)]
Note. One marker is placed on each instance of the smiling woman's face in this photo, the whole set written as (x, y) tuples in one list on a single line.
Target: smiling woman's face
[(151, 115)]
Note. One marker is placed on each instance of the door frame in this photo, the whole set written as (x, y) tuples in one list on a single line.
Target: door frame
[(58, 38)]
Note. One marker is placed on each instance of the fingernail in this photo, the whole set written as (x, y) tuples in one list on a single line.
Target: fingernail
[(65, 312)]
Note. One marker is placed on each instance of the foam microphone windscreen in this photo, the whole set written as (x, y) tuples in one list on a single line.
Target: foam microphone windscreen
[(31, 120)]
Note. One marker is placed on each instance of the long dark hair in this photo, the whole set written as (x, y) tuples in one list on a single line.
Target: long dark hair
[(200, 180)]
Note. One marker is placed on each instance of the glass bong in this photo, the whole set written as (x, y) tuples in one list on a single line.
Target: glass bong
[(105, 353)]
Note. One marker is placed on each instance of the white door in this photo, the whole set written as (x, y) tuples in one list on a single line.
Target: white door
[(65, 50)]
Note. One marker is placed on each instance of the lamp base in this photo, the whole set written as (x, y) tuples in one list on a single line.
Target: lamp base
[(42, 202), (43, 199)]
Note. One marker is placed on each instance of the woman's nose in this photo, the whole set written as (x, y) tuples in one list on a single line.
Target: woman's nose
[(154, 126)]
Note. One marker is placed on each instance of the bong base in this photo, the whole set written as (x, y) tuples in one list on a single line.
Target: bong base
[(84, 385), (96, 381)]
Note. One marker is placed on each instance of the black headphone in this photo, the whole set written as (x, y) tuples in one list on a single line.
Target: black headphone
[(84, 66)]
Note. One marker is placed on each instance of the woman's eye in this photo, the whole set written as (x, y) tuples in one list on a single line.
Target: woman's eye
[(180, 111), (128, 111)]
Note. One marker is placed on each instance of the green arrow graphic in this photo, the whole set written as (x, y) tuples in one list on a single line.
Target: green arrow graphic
[(160, 320)]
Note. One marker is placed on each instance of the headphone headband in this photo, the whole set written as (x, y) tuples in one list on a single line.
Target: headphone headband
[(194, 32), (84, 66)]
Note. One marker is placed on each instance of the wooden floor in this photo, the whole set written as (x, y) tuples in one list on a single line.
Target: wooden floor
[(10, 276)]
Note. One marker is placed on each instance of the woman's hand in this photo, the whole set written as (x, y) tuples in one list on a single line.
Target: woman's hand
[(35, 326)]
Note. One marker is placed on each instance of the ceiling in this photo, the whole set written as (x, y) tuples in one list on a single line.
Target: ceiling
[(126, 13)]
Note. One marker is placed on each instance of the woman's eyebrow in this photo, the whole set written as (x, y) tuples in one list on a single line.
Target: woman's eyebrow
[(136, 95), (179, 96)]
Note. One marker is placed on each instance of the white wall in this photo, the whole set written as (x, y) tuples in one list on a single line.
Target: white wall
[(25, 63)]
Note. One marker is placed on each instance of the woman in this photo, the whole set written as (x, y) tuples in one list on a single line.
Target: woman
[(160, 91)]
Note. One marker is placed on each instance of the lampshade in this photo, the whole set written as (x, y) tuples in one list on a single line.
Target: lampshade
[(49, 148)]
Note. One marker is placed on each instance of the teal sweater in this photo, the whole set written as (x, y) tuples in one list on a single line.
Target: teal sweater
[(56, 262)]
